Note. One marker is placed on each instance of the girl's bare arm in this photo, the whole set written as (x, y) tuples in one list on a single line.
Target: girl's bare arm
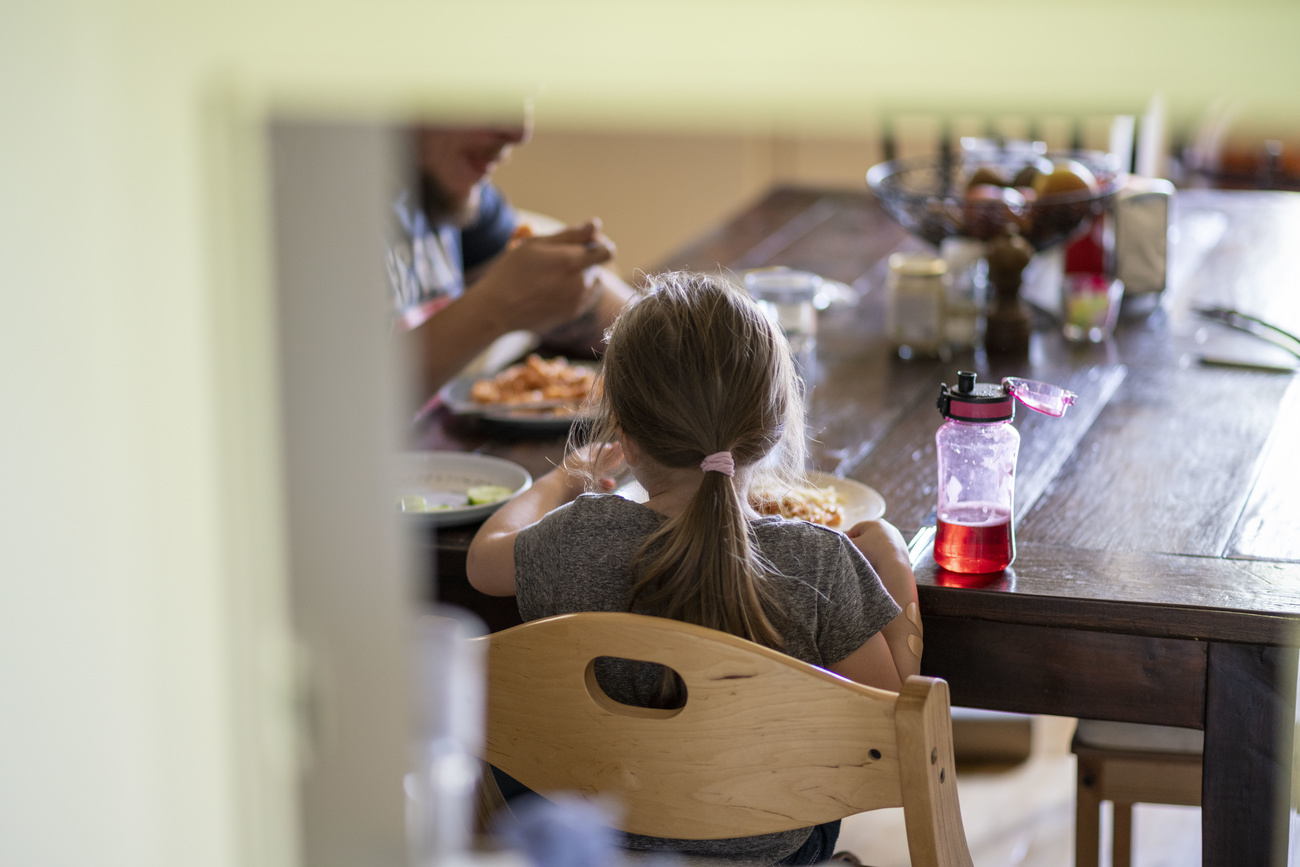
[(491, 560), (883, 546)]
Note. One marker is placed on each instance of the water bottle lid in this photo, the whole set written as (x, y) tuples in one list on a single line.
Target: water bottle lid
[(968, 401), (1040, 396)]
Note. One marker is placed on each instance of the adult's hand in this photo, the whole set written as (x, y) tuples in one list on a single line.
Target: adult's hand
[(546, 280), (537, 284)]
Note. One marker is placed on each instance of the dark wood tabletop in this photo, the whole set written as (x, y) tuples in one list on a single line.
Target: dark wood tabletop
[(1157, 577)]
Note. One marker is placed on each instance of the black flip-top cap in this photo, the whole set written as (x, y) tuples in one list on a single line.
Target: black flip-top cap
[(976, 402)]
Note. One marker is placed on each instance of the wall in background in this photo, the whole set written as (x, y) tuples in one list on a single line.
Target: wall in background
[(654, 191), (657, 190)]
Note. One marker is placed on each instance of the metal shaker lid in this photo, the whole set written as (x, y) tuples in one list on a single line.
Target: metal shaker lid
[(975, 402)]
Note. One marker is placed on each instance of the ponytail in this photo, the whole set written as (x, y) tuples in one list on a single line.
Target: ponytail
[(702, 566)]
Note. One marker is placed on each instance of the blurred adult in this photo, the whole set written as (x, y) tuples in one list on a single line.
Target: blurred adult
[(470, 268)]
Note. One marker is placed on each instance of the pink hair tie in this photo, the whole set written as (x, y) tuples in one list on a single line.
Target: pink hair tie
[(719, 462)]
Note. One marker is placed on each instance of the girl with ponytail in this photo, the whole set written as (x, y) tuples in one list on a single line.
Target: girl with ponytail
[(698, 398)]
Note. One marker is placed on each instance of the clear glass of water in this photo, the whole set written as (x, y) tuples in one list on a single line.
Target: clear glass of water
[(787, 297)]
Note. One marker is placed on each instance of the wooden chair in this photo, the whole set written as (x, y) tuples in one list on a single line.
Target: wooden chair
[(763, 743), (1127, 764)]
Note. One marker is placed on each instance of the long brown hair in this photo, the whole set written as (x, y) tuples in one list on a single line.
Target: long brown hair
[(692, 368)]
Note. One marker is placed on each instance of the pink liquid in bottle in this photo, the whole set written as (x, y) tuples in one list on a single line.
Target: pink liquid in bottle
[(974, 538)]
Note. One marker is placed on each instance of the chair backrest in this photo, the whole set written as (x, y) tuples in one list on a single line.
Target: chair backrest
[(763, 743)]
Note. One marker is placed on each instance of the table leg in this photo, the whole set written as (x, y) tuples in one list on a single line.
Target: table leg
[(1087, 815), (1250, 715)]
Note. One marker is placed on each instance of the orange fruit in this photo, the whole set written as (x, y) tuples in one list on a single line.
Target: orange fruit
[(1067, 176)]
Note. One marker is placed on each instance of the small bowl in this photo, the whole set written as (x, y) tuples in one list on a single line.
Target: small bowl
[(929, 196)]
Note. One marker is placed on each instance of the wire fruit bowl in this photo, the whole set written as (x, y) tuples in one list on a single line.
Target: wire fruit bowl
[(933, 198)]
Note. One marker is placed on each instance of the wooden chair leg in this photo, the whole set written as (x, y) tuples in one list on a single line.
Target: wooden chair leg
[(1087, 817), (1122, 838), (488, 800)]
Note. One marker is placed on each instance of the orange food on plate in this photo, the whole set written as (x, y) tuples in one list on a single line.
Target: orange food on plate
[(818, 505), (536, 380)]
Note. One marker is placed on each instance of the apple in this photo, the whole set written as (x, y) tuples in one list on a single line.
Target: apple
[(1031, 171), (987, 175), (989, 208)]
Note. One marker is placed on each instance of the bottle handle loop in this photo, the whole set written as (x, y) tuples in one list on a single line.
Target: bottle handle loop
[(1040, 396)]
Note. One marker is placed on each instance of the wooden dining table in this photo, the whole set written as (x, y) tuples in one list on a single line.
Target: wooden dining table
[(1157, 524)]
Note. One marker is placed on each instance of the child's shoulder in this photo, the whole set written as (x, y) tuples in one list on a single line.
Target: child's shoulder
[(610, 507), (803, 537), (777, 526)]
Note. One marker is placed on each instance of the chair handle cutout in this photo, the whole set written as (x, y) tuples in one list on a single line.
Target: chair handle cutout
[(677, 695)]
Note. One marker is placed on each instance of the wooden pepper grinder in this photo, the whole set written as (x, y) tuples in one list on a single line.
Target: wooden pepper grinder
[(1006, 332)]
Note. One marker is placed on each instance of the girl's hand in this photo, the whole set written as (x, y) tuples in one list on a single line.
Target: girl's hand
[(879, 540), (883, 546), (603, 461)]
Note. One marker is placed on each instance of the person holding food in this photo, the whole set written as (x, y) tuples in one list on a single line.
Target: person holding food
[(468, 269), (698, 397)]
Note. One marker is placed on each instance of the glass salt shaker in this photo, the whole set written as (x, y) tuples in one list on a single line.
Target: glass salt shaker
[(967, 279)]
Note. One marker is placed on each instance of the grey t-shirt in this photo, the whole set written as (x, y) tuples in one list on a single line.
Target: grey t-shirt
[(576, 559)]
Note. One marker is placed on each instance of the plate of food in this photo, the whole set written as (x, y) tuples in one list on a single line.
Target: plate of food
[(537, 392), (827, 500), (444, 489)]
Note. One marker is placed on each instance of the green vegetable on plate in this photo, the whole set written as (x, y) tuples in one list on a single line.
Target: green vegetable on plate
[(413, 503), (482, 494)]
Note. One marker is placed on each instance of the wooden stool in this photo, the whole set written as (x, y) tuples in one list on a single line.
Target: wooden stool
[(1128, 764)]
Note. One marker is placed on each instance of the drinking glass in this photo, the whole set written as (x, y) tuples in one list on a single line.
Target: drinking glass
[(1090, 306), (788, 298)]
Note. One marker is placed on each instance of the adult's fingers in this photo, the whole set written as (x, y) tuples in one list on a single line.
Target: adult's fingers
[(573, 255), (588, 231), (596, 253), (579, 257)]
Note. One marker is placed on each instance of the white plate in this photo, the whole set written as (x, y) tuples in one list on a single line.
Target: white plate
[(456, 395), (444, 478), (858, 501)]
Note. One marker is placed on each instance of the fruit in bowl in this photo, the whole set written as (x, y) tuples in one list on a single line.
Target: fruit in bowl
[(987, 176), (989, 209), (1028, 174), (1067, 176), (1047, 197)]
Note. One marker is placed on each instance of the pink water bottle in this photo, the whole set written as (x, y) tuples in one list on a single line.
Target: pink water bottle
[(977, 448)]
